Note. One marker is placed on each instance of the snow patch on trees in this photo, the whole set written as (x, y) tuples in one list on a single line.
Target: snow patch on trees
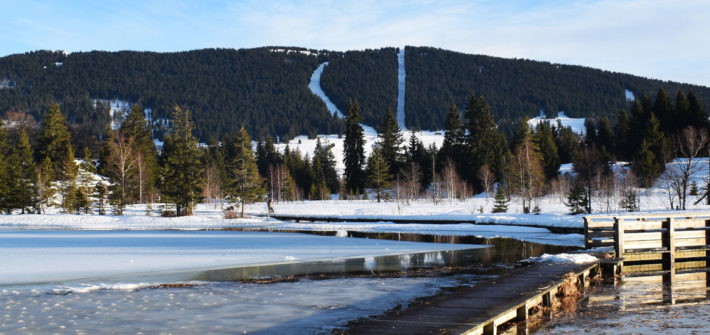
[(577, 124)]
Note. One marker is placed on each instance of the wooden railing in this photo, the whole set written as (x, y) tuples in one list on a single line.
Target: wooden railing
[(653, 242)]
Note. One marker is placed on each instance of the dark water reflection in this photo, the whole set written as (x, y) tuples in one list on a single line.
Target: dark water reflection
[(498, 256)]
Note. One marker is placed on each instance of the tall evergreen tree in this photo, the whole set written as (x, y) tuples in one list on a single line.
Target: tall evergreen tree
[(135, 126), (682, 112), (454, 138), (245, 183), (354, 150), (5, 202), (378, 175), (697, 116), (622, 132), (27, 182), (645, 167), (483, 139), (55, 142), (326, 160), (182, 171), (391, 141), (545, 139), (663, 110)]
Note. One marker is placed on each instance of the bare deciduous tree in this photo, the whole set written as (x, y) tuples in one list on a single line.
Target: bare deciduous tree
[(689, 143)]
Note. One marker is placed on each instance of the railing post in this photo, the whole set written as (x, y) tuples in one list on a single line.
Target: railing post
[(667, 242), (586, 233), (619, 237), (707, 244)]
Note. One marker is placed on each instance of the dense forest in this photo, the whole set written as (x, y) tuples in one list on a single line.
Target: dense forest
[(266, 89), (516, 88), (368, 76)]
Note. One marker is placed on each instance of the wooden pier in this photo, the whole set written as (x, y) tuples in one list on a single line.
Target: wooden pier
[(481, 309), (653, 242)]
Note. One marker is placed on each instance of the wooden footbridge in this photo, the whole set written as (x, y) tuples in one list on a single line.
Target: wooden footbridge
[(483, 308)]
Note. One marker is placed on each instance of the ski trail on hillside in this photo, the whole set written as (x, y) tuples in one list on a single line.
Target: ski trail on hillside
[(401, 76), (315, 87)]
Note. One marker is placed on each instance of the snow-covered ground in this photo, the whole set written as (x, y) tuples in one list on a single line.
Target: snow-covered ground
[(577, 124), (307, 146)]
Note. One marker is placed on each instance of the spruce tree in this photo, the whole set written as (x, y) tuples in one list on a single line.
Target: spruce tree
[(622, 132), (55, 142), (245, 183), (354, 150), (135, 126), (391, 141), (577, 198), (545, 141), (663, 110), (483, 140), (45, 187), (324, 153), (681, 112), (27, 182), (500, 204), (4, 170), (378, 175), (182, 170), (644, 166)]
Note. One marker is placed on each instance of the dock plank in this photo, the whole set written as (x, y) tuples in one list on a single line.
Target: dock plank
[(467, 308)]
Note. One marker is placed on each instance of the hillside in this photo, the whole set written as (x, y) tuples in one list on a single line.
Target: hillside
[(517, 87), (266, 89)]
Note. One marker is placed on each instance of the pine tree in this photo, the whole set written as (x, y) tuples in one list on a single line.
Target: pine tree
[(245, 183), (86, 189), (354, 150), (378, 175), (182, 170), (483, 140), (391, 141), (454, 136), (324, 153), (4, 170), (577, 198), (500, 204), (644, 166), (45, 188), (100, 195), (55, 142), (663, 110), (135, 126), (27, 182), (697, 116), (545, 140), (68, 190), (681, 112), (622, 132)]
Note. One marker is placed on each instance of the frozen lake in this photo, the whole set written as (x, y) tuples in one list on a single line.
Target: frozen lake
[(180, 282), (59, 256)]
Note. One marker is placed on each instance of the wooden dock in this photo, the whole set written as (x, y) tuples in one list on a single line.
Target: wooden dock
[(481, 309), (417, 219), (653, 242)]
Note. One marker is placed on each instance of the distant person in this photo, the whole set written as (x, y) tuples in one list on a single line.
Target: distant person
[(270, 203)]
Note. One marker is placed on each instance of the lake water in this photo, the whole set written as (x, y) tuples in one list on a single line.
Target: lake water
[(88, 282)]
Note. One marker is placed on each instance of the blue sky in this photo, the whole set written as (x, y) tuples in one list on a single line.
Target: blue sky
[(668, 40)]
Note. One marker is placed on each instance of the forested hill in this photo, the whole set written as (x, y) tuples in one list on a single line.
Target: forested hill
[(266, 89), (515, 87)]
